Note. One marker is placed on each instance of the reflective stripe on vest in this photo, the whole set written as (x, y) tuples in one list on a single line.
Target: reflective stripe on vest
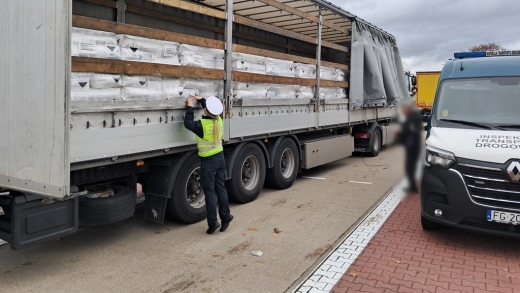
[(206, 145)]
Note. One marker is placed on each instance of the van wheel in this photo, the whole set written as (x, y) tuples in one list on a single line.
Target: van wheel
[(375, 143), (107, 210), (286, 165), (429, 225), (248, 174), (187, 204)]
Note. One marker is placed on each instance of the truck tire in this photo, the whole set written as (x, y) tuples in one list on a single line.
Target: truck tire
[(187, 204), (248, 174), (286, 165), (100, 211), (429, 225), (375, 142)]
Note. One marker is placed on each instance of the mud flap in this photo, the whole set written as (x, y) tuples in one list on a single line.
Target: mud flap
[(155, 208)]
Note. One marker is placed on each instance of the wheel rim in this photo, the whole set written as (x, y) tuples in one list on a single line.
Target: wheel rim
[(376, 141), (287, 163), (194, 192), (250, 172)]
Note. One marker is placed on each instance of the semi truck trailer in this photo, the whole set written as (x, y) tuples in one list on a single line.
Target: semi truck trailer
[(92, 102), (426, 86)]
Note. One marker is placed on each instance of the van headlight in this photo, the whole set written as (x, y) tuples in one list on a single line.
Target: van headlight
[(438, 157)]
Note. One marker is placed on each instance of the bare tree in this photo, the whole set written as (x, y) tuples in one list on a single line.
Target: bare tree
[(487, 47)]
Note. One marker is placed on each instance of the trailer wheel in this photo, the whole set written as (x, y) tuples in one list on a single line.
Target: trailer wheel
[(375, 143), (187, 204), (286, 165), (100, 211), (248, 174)]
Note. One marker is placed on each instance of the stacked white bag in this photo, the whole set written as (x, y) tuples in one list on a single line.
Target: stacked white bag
[(95, 87), (279, 67), (136, 87), (201, 57), (341, 75), (242, 90), (172, 88), (306, 92), (305, 70), (148, 50), (104, 87), (333, 93), (328, 73), (202, 87), (248, 63), (282, 91), (94, 44)]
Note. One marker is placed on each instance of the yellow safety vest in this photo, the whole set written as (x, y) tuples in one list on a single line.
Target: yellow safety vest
[(206, 145)]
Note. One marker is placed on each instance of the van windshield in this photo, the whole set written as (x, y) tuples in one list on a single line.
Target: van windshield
[(474, 102)]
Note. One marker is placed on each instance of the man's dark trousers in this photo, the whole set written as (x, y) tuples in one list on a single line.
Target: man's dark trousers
[(412, 159), (213, 178)]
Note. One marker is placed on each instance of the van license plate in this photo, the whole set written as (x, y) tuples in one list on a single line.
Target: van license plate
[(503, 217)]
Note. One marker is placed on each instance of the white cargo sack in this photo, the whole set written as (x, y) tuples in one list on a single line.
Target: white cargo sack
[(248, 86), (142, 88), (94, 44), (342, 93), (96, 95), (341, 75), (328, 73), (279, 67), (81, 88), (80, 81), (201, 57), (172, 88), (205, 87), (105, 81), (281, 92), (333, 93), (244, 94), (305, 70), (306, 92), (243, 90), (148, 50), (248, 63)]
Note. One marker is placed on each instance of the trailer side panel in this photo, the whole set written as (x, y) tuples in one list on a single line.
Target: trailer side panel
[(34, 86)]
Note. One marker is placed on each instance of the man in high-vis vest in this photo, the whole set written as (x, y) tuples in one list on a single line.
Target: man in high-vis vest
[(209, 132)]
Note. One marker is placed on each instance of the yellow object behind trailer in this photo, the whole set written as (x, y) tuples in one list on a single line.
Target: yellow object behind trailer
[(426, 87)]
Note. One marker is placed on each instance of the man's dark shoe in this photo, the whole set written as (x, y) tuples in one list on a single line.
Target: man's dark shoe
[(213, 228), (225, 224)]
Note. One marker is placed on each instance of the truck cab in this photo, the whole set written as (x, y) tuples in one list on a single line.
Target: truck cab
[(411, 80), (472, 169)]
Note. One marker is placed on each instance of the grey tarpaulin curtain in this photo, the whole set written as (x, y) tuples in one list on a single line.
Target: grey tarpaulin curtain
[(377, 75)]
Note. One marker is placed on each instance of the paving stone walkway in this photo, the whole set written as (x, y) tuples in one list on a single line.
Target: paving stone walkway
[(402, 257)]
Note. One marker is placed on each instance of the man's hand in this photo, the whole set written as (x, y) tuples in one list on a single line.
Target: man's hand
[(198, 98), (189, 102)]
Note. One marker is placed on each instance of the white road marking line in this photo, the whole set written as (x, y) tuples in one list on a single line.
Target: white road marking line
[(2, 242), (318, 178), (361, 182), (334, 267)]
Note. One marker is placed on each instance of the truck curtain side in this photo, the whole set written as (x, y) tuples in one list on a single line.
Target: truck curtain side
[(70, 145)]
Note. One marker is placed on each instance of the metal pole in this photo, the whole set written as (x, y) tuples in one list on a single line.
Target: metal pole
[(121, 11), (318, 63), (228, 83)]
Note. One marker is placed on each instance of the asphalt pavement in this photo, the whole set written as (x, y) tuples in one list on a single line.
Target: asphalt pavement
[(138, 256)]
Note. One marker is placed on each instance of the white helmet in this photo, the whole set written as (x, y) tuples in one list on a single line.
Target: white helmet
[(214, 106)]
